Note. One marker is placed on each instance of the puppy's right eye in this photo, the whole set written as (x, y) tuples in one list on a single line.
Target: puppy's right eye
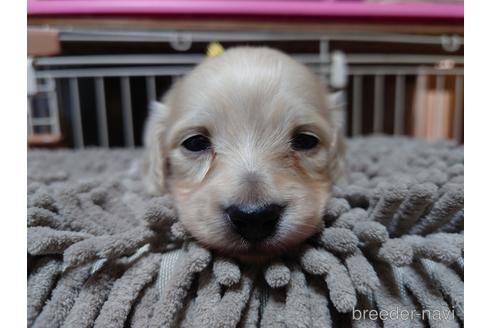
[(304, 141), (197, 143)]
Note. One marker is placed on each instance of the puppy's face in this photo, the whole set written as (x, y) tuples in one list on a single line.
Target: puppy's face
[(249, 152)]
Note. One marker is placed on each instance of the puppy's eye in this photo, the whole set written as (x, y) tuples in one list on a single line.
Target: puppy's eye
[(197, 143), (304, 141)]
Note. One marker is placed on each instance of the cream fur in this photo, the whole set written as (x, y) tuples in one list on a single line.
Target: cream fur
[(249, 101)]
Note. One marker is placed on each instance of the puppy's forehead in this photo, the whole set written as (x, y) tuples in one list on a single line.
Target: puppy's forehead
[(264, 88), (263, 113)]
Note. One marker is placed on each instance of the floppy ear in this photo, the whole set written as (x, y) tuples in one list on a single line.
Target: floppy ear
[(154, 159), (336, 107)]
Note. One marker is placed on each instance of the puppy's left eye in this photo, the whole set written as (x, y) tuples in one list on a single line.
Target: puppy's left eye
[(304, 141), (197, 143)]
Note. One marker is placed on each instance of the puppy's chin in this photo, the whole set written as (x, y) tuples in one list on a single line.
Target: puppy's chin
[(259, 253), (233, 245), (250, 252)]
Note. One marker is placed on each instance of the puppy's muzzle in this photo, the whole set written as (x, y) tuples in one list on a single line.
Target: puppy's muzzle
[(255, 223)]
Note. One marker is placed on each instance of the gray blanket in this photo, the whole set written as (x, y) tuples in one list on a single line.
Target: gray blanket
[(102, 253)]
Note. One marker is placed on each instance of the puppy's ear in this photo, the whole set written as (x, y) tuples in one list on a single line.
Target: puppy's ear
[(336, 107), (155, 152)]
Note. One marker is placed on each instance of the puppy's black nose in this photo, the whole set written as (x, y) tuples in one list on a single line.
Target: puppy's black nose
[(255, 223)]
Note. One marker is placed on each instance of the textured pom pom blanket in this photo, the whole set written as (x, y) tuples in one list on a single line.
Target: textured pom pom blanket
[(102, 253)]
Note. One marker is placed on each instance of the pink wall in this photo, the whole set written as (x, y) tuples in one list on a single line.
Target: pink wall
[(326, 8)]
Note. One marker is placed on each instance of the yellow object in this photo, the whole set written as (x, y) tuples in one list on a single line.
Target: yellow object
[(214, 49)]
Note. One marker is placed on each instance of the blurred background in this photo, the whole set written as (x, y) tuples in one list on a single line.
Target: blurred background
[(393, 67)]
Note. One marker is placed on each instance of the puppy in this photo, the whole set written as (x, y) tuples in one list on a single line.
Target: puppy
[(248, 147)]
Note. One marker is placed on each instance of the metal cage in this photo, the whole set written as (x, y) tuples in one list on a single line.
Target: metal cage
[(395, 83)]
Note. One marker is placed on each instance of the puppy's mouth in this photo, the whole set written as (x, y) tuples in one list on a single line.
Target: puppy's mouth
[(257, 232), (254, 250), (260, 250)]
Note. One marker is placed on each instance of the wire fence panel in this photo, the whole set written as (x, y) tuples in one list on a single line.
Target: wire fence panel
[(394, 93)]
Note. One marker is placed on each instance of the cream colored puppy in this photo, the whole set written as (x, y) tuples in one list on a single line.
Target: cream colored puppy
[(249, 150)]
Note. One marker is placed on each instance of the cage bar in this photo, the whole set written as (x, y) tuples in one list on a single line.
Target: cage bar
[(357, 105), (458, 113), (378, 122), (193, 59), (102, 121), (36, 121), (78, 133), (439, 104), (126, 100), (324, 57), (113, 35), (53, 107), (29, 117), (399, 122), (150, 88), (420, 107), (180, 70)]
